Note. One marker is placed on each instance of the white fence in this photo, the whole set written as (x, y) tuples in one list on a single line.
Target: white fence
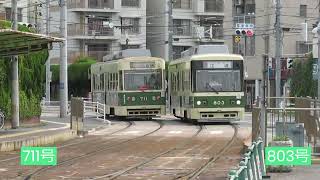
[(96, 108)]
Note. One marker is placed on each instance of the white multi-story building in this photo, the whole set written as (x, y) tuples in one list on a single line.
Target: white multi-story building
[(100, 27), (262, 14), (192, 21)]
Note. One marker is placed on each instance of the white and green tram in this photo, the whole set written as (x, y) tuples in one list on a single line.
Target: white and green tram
[(207, 87), (131, 84)]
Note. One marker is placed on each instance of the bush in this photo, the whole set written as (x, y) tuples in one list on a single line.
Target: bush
[(78, 80)]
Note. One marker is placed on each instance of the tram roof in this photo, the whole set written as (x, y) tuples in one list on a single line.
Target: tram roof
[(202, 57)]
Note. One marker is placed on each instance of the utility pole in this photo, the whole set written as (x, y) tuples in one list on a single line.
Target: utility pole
[(15, 72), (263, 100), (36, 17), (278, 52), (170, 29), (63, 61), (318, 31), (48, 71)]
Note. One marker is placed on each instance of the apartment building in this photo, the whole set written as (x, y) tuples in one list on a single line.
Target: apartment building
[(262, 14), (100, 27), (192, 21), (23, 10)]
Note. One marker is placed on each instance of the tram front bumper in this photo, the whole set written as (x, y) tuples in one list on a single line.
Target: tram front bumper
[(217, 115)]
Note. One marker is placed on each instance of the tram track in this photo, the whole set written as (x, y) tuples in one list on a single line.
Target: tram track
[(88, 154), (93, 141), (141, 164), (195, 174)]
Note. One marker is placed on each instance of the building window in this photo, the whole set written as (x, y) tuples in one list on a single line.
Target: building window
[(9, 13), (100, 4), (177, 50), (182, 4), (130, 3), (246, 46), (303, 47), (214, 5), (130, 25), (98, 51), (182, 27), (99, 27), (303, 11)]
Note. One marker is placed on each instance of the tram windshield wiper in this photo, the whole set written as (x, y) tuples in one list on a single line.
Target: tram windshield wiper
[(214, 89)]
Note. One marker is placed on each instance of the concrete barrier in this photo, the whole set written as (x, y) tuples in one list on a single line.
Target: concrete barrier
[(37, 140)]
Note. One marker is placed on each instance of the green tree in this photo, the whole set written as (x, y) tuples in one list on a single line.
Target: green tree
[(302, 83)]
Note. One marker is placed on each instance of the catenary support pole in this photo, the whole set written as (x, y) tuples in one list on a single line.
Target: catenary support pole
[(63, 61), (15, 73), (48, 71), (278, 51)]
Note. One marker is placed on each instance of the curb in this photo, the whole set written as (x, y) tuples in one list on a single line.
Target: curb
[(315, 161), (37, 141)]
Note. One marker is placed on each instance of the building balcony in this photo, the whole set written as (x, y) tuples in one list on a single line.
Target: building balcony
[(97, 55), (90, 31), (203, 33), (182, 31), (92, 5), (210, 7)]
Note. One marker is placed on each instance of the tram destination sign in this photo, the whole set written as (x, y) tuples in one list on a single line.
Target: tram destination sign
[(142, 65), (217, 64)]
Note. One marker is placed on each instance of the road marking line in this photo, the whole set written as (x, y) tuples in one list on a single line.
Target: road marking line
[(3, 169), (216, 132), (132, 132), (175, 132)]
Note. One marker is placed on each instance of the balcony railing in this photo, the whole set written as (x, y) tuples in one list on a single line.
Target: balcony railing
[(130, 3), (182, 31), (214, 6), (91, 4), (98, 55), (89, 30)]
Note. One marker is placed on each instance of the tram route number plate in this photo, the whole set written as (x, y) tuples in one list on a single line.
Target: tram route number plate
[(298, 156), (38, 156)]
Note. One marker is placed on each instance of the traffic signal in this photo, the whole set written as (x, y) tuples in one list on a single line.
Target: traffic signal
[(244, 32), (289, 63), (237, 39), (238, 32)]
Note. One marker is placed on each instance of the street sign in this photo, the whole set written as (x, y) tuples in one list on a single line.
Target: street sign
[(245, 26), (298, 156)]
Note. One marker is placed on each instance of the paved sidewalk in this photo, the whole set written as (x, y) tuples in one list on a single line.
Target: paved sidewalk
[(299, 173), (51, 130)]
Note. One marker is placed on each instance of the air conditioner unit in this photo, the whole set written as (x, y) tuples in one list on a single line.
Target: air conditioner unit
[(238, 2)]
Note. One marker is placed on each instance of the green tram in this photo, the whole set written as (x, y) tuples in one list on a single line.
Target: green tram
[(131, 84), (206, 86)]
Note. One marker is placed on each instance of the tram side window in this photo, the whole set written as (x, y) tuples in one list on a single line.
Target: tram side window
[(120, 81), (102, 82), (186, 81), (116, 82), (93, 81), (107, 81)]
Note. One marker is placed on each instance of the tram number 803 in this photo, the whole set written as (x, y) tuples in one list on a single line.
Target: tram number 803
[(218, 103)]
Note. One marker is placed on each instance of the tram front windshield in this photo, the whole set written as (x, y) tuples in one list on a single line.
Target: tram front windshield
[(218, 80), (142, 80)]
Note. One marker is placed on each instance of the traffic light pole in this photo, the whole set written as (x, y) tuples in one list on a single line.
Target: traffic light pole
[(318, 31), (48, 60)]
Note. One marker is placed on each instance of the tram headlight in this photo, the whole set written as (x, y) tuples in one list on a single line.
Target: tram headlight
[(198, 103), (238, 102)]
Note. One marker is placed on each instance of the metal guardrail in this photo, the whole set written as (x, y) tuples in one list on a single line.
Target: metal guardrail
[(252, 165), (97, 108)]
